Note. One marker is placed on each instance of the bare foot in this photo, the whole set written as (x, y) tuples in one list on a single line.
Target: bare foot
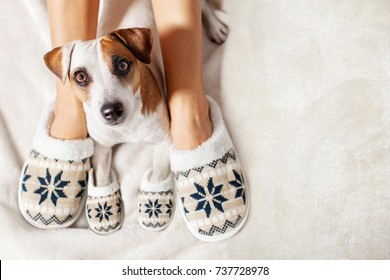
[(191, 124), (216, 29)]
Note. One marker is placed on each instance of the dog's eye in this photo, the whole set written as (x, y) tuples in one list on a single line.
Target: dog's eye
[(123, 66), (81, 78)]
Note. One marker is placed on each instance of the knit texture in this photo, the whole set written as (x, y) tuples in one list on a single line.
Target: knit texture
[(104, 214), (213, 197), (155, 209), (52, 190)]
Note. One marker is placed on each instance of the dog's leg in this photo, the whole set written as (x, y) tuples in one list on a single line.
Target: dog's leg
[(101, 163), (104, 203), (156, 199), (159, 176), (161, 168), (215, 23)]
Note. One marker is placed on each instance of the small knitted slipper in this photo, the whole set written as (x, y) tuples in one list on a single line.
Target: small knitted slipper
[(54, 178), (155, 203), (210, 184), (104, 206)]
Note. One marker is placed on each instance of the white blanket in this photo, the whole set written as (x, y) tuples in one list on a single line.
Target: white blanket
[(305, 90)]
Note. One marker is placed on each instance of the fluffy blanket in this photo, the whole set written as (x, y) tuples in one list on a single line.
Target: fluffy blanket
[(305, 90)]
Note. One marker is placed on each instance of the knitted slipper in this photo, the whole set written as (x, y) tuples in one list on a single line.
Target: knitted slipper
[(210, 184), (54, 178), (104, 206), (155, 203)]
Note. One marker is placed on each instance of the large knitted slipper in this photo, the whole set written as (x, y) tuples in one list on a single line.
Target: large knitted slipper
[(54, 178), (155, 203), (104, 206), (210, 184)]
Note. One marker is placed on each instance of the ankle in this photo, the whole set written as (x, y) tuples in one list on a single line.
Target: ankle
[(69, 124), (188, 105), (190, 121), (69, 119)]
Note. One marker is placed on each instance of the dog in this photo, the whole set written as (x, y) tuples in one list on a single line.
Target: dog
[(122, 100)]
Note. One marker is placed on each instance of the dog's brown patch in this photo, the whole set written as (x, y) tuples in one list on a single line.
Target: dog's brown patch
[(81, 92), (139, 77), (53, 61), (110, 48), (138, 40), (150, 92)]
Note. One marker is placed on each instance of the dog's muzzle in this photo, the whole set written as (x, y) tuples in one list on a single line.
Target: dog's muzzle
[(112, 113)]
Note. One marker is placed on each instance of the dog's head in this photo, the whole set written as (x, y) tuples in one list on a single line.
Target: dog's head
[(109, 74)]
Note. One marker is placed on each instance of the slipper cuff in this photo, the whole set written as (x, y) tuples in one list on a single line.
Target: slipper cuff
[(213, 148), (51, 147), (163, 185), (100, 191)]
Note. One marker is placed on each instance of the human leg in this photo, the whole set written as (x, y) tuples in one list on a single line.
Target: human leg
[(70, 20), (52, 187), (179, 26), (209, 180)]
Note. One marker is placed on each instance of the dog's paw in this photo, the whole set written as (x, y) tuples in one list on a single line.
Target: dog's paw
[(216, 27)]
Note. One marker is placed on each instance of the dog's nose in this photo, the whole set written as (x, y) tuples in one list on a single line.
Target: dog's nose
[(112, 111)]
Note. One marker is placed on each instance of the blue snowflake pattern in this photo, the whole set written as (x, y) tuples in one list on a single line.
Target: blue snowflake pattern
[(103, 212), (169, 208), (25, 178), (153, 208), (185, 209), (203, 198), (238, 185), (55, 189), (89, 212), (119, 205), (82, 184)]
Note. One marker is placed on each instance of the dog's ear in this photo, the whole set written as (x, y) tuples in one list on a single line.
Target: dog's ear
[(58, 60), (138, 40)]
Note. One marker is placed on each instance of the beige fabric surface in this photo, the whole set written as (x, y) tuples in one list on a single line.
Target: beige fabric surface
[(304, 87)]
